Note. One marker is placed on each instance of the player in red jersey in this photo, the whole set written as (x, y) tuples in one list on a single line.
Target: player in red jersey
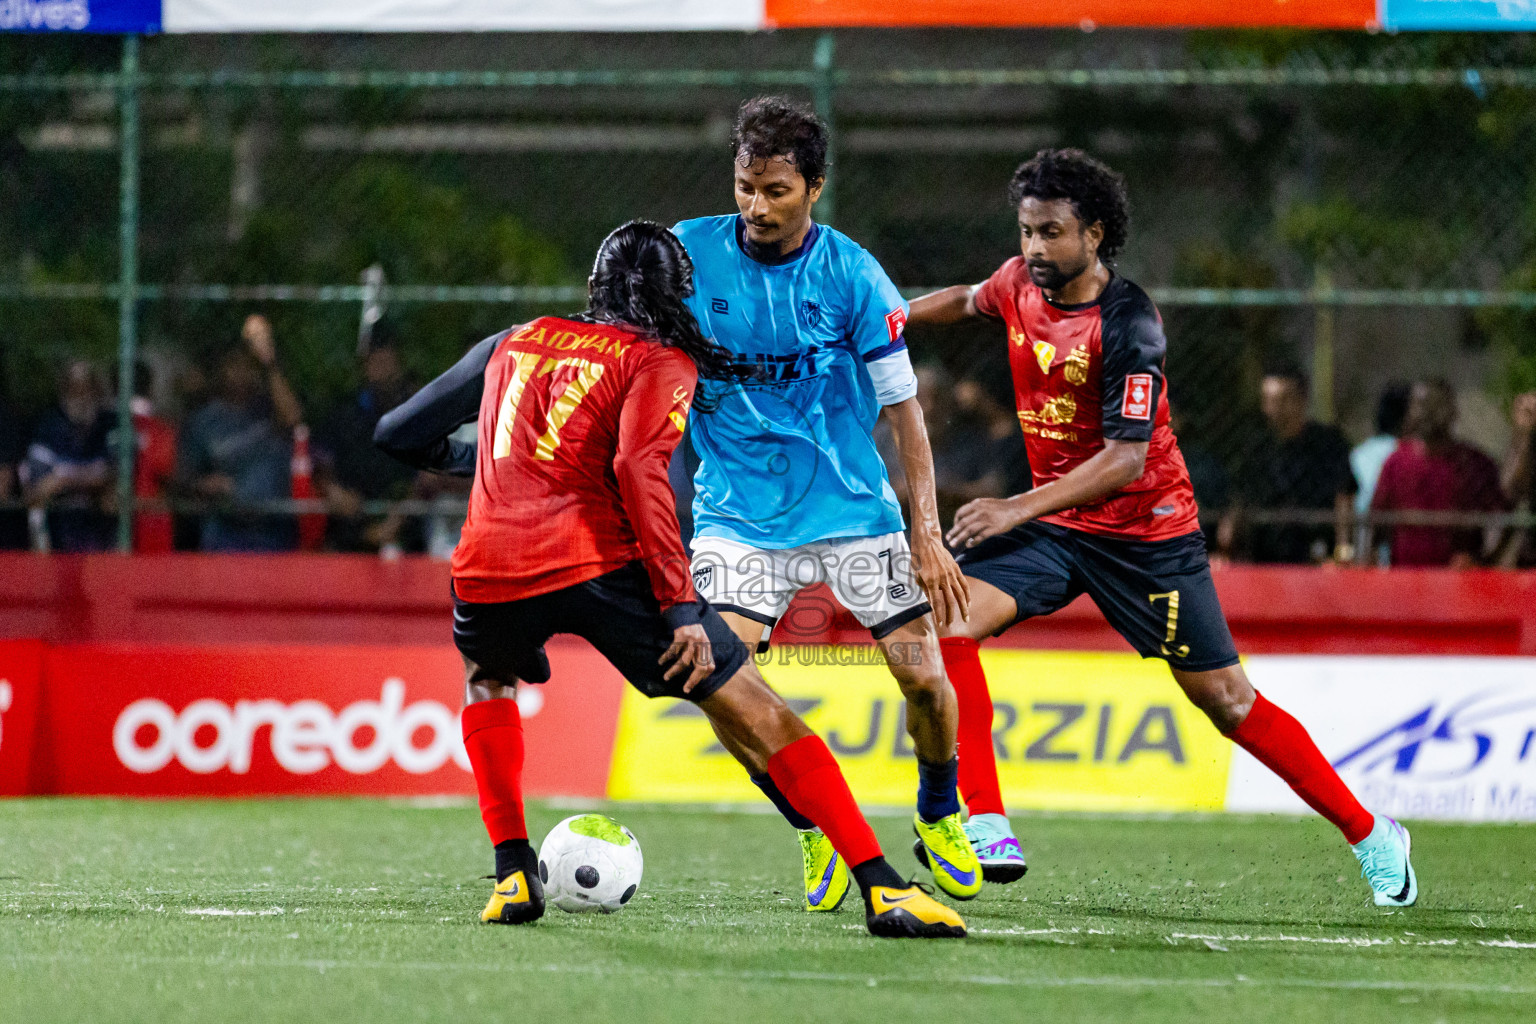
[(1112, 513), (571, 529)]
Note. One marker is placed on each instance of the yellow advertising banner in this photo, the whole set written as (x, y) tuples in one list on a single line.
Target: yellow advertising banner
[(1072, 731)]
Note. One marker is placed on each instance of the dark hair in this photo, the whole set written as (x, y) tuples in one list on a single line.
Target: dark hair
[(1288, 371), (143, 379), (1097, 194), (1392, 409), (640, 278), (770, 126)]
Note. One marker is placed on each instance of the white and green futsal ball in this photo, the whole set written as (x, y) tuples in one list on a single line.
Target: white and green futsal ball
[(590, 863)]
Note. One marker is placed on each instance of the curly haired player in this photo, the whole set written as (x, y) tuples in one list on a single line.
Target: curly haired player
[(1112, 513), (571, 529)]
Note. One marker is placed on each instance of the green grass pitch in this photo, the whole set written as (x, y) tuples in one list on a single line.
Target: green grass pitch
[(338, 911)]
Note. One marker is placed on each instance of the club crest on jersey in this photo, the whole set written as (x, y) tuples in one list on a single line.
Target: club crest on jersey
[(810, 310), (1044, 353), (1076, 367), (1138, 397)]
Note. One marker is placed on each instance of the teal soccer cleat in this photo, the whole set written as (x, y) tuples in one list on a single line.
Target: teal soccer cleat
[(996, 848), (1384, 863)]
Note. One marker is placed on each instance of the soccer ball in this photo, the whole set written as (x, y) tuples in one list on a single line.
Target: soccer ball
[(590, 862)]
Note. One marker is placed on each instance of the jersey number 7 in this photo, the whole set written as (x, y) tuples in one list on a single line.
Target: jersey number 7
[(587, 375)]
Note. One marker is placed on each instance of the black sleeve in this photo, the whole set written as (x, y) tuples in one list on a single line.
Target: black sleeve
[(1133, 351), (1343, 473), (416, 431)]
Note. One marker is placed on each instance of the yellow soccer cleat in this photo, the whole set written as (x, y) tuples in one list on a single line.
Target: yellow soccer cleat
[(518, 899), (826, 876), (942, 846), (910, 913)]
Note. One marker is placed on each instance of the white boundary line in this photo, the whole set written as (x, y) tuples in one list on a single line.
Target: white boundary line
[(868, 980)]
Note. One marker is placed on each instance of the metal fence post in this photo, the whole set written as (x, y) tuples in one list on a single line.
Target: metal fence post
[(127, 287), (826, 45)]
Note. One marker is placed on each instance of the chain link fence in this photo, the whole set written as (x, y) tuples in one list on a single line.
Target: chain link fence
[(1361, 207)]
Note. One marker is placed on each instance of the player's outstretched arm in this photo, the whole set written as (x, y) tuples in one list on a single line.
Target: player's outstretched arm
[(945, 306), (940, 577), (416, 432), (1119, 464)]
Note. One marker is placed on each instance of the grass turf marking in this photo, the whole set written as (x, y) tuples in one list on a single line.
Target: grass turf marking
[(694, 974)]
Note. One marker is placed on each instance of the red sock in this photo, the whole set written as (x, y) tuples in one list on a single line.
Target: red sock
[(978, 759), (807, 774), (493, 736), (1282, 745)]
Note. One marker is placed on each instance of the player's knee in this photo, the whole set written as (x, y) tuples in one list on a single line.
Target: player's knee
[(1225, 696), (481, 685), (924, 686)]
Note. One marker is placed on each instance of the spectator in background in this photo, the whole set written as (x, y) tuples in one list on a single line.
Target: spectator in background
[(239, 446), (353, 470), (1431, 471), (1371, 454), (1003, 466), (1303, 464), (1207, 475), (13, 522), (154, 467), (67, 473), (1519, 478)]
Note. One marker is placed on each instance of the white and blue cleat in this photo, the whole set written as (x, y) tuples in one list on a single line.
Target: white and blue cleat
[(997, 849), (1384, 863)]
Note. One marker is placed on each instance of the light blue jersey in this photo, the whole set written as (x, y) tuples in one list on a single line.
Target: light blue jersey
[(788, 459)]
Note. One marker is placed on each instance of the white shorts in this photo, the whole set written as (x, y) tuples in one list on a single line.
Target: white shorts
[(873, 577)]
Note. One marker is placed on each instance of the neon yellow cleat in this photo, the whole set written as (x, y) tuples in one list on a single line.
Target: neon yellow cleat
[(910, 913), (518, 899), (943, 847), (826, 876)]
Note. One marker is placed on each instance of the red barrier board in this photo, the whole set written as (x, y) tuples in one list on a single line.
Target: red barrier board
[(1346, 14), (244, 720), (21, 692), (358, 600)]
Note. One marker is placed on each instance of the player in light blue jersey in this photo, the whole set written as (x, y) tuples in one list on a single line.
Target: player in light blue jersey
[(791, 490)]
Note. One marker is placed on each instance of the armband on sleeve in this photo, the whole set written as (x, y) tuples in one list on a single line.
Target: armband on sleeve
[(893, 377)]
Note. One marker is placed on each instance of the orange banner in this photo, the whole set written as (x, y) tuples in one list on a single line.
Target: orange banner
[(1347, 14)]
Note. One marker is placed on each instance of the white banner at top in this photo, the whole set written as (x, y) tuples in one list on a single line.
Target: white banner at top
[(458, 15)]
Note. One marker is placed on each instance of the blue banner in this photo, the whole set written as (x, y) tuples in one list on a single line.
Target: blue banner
[(108, 16), (1490, 15)]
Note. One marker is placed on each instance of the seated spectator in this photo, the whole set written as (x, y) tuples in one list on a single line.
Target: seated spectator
[(239, 447), (1431, 471), (1207, 475), (1001, 464), (1519, 478), (353, 470), (154, 466), (1303, 465), (68, 471), (1370, 455), (13, 521)]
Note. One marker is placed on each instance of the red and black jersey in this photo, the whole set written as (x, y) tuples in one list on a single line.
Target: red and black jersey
[(1085, 373), (577, 424)]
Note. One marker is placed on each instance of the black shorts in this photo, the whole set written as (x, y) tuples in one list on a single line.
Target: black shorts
[(1157, 594), (617, 613)]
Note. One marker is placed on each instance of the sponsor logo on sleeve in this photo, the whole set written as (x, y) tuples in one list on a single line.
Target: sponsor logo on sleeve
[(895, 322), (1138, 397)]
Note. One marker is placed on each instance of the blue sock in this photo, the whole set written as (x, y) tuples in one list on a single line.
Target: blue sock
[(771, 791), (936, 796)]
